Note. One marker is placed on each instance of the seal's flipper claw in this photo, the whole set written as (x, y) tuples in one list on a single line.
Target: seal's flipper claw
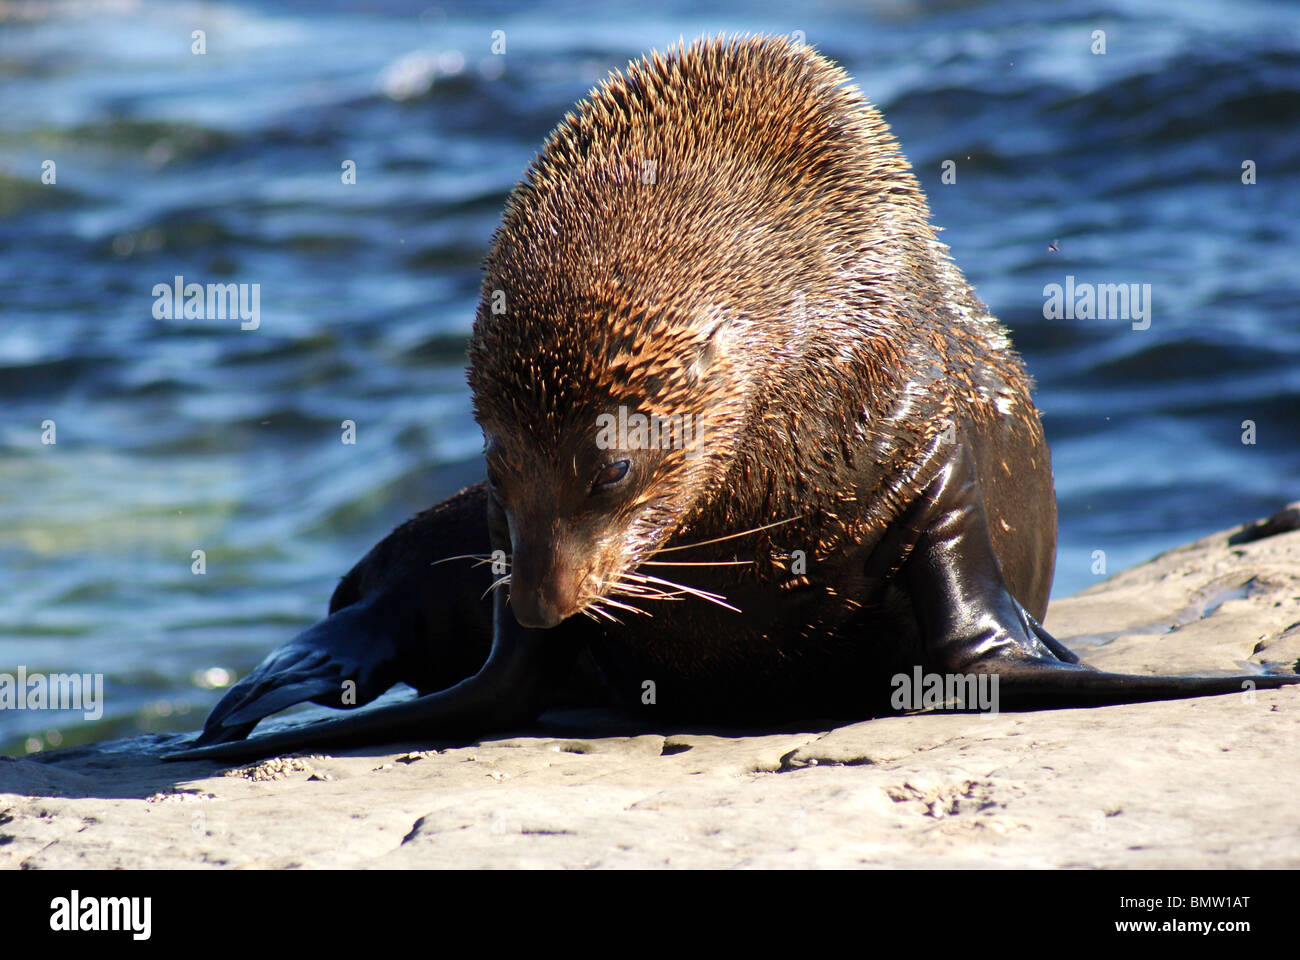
[(1059, 650)]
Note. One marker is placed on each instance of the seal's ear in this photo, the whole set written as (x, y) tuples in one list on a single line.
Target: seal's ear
[(718, 339)]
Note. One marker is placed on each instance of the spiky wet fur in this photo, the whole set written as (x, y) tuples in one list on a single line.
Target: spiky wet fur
[(731, 232)]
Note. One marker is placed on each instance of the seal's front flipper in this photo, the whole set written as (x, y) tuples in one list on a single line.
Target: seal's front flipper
[(512, 688), (964, 609), (971, 624), (398, 616), (346, 660)]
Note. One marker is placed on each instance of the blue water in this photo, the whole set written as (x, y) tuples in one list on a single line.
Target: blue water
[(177, 435)]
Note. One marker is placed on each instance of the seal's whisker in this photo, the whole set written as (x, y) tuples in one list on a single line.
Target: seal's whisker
[(598, 598), (604, 613), (650, 578), (653, 590), (695, 563), (730, 536), (501, 581), (466, 556), (626, 606), (643, 590), (717, 598), (628, 590), (647, 591)]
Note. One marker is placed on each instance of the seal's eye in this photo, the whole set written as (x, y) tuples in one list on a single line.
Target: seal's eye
[(611, 474)]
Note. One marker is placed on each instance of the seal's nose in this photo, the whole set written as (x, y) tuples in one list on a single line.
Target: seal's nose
[(542, 585), (533, 609)]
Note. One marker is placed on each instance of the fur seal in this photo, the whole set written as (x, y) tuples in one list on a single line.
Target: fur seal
[(752, 443)]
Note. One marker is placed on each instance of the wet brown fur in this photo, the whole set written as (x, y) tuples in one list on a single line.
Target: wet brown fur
[(731, 232)]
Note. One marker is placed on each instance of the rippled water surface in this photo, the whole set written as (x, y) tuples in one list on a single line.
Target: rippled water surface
[(177, 435)]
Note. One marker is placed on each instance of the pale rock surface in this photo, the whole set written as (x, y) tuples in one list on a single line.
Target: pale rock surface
[(1211, 782)]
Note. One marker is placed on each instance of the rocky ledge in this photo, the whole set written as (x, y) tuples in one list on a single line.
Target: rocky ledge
[(1209, 782)]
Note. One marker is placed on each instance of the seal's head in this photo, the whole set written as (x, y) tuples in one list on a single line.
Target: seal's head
[(667, 264)]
